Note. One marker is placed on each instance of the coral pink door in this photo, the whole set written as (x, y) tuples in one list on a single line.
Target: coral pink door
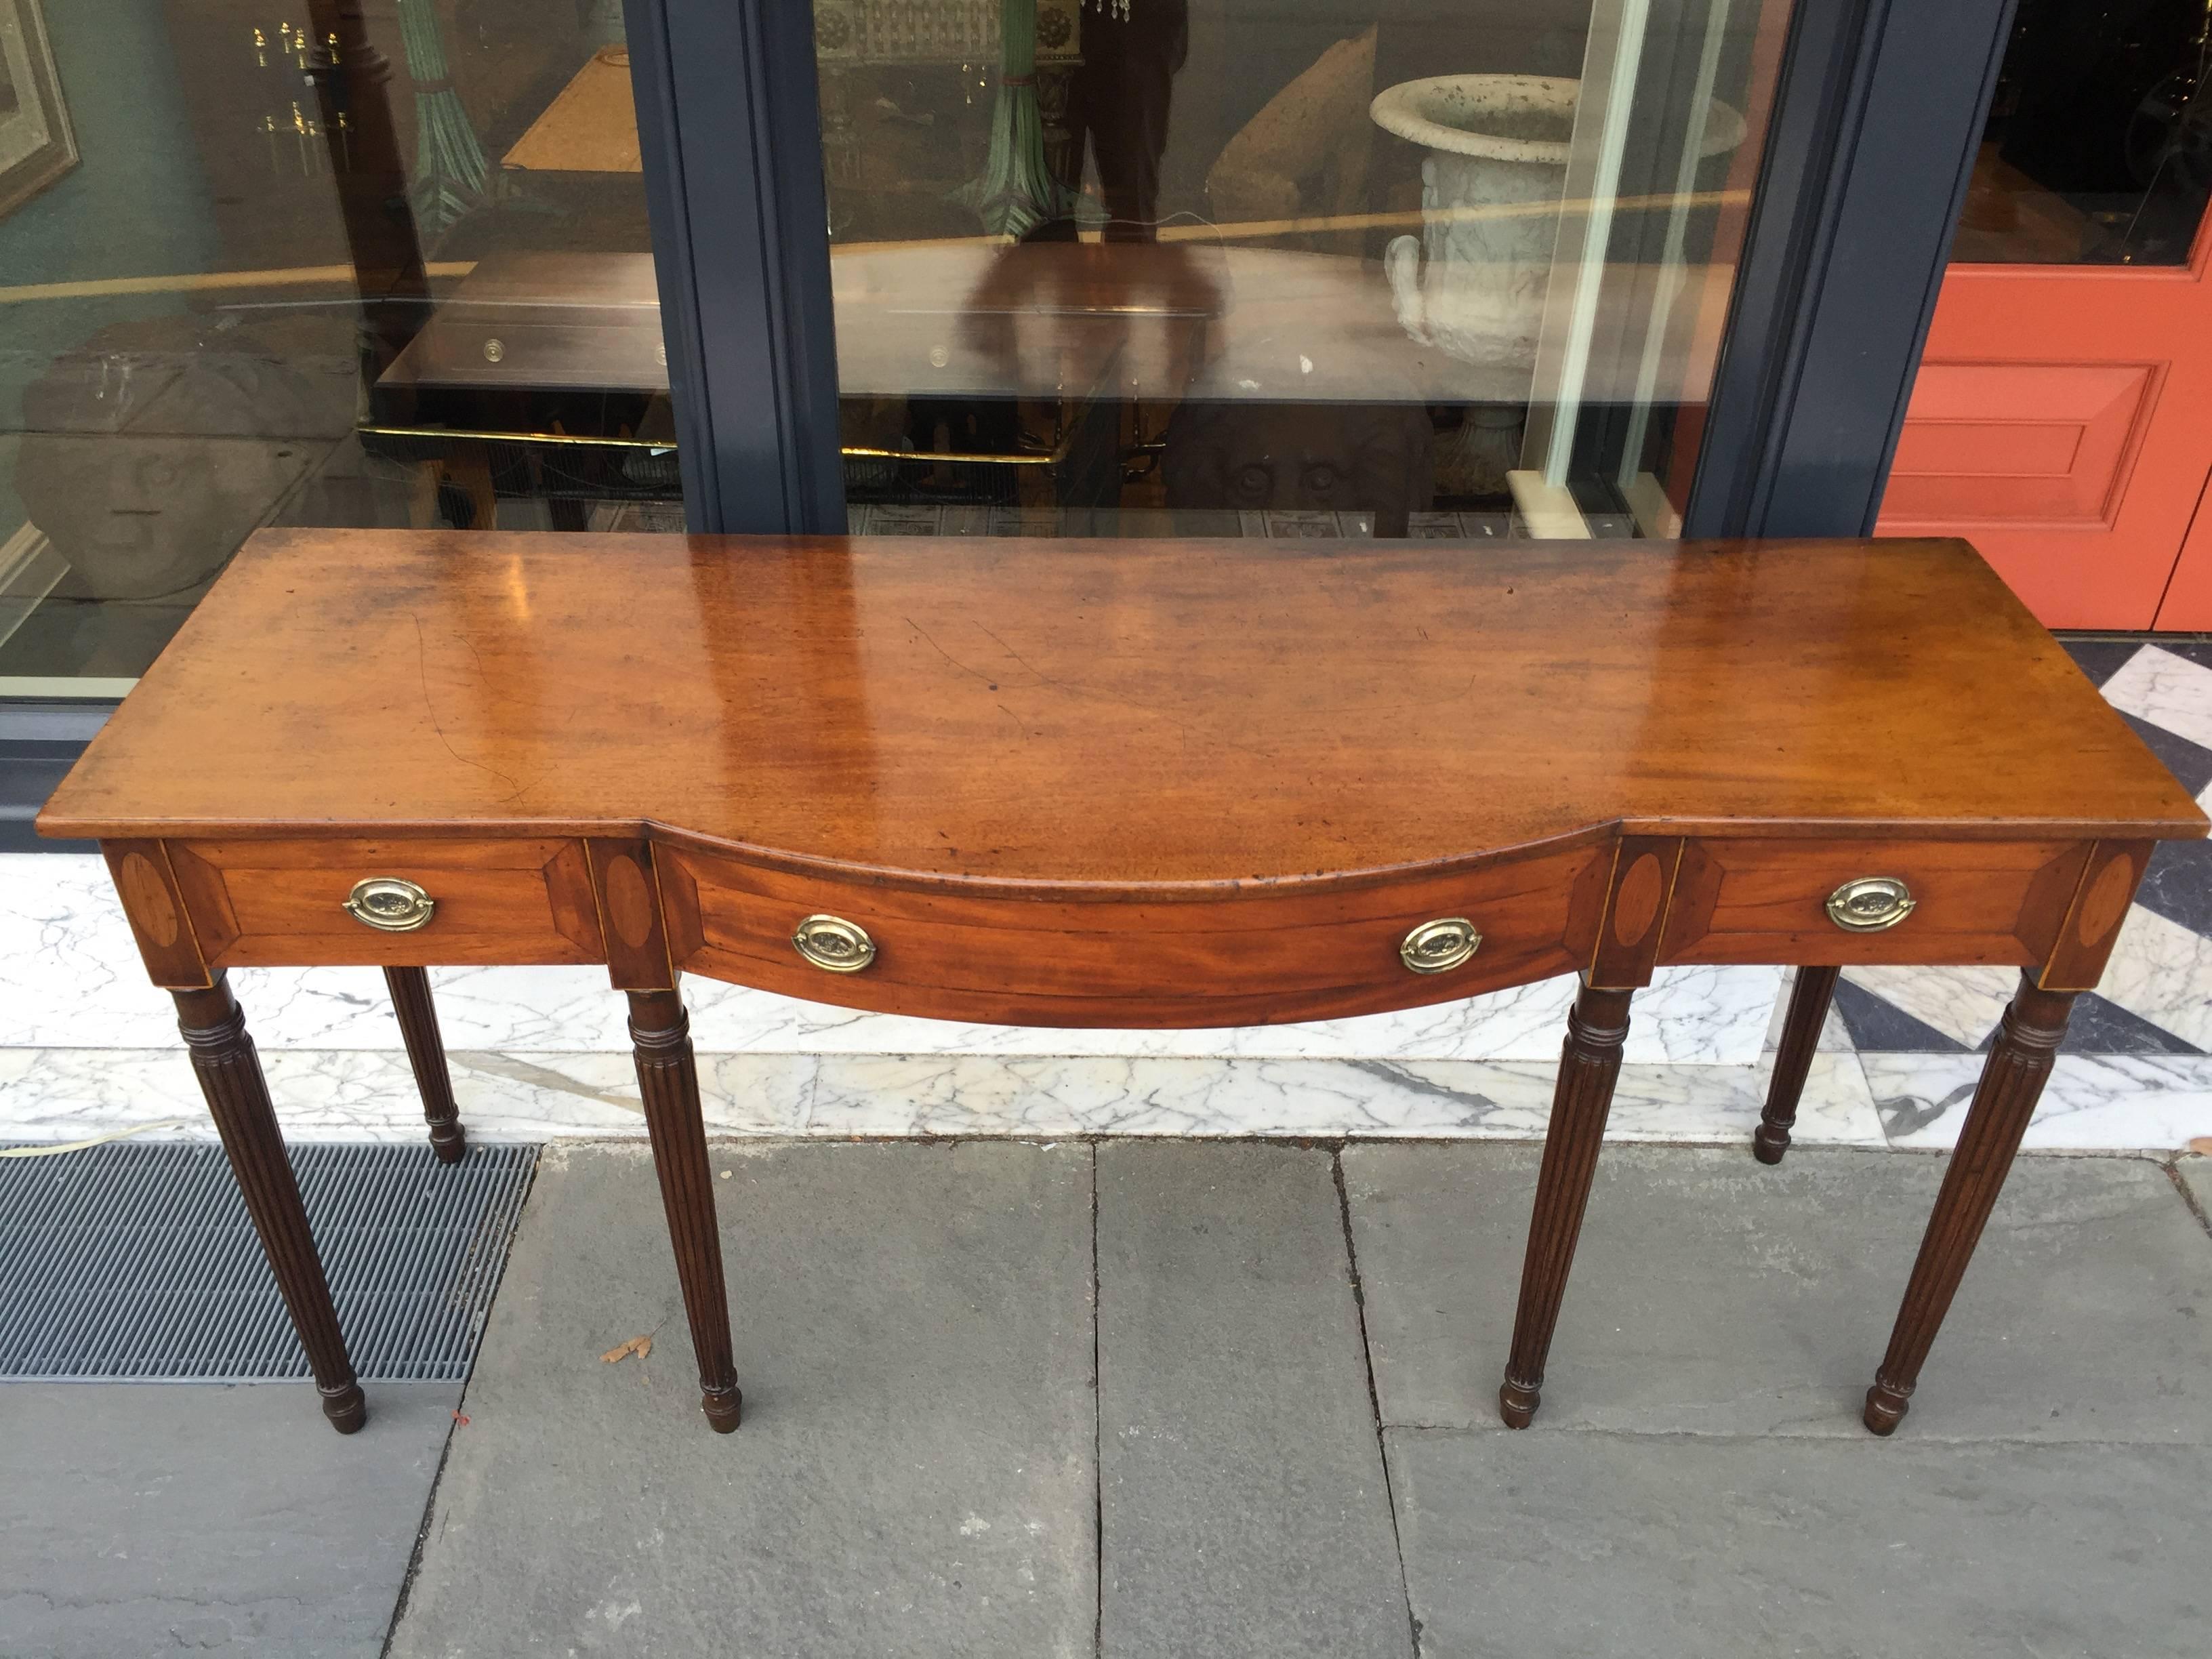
[(2063, 417)]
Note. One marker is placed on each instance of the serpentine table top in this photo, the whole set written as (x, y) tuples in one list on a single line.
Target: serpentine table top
[(1110, 714)]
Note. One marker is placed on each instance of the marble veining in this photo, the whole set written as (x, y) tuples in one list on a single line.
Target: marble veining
[(2162, 971), (1964, 1004), (2092, 1102), (2167, 690)]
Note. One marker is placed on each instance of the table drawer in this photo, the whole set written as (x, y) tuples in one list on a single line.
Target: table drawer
[(1956, 902), (285, 901), (1247, 956)]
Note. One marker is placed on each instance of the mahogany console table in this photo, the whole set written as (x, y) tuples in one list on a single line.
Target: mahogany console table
[(1117, 783)]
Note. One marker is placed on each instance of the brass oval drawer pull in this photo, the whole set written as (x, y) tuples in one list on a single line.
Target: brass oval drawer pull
[(833, 943), (1870, 904), (1437, 947), (390, 905)]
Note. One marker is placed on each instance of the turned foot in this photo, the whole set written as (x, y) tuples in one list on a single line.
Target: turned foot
[(1517, 1402), (1792, 1060), (426, 1053), (725, 1408), (1885, 1408), (344, 1406)]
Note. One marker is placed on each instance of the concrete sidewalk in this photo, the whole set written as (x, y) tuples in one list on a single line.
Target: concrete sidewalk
[(1174, 1398)]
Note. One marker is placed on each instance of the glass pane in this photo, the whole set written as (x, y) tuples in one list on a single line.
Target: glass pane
[(1445, 267), (308, 262), (2099, 147)]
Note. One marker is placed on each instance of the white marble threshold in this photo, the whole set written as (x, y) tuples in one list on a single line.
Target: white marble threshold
[(2093, 1102)]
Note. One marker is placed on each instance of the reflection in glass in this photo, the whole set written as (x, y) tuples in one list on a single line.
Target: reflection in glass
[(1176, 267), (2099, 147), (320, 263)]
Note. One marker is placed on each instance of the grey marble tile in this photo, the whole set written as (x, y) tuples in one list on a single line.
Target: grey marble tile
[(1876, 1024), (2101, 659), (2190, 762), (1964, 1004), (1835, 1035), (70, 1093), (2097, 1027), (2161, 971), (2091, 1103), (2166, 690), (2178, 885), (937, 1095)]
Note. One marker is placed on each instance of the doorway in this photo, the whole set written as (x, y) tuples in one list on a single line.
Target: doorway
[(2062, 415)]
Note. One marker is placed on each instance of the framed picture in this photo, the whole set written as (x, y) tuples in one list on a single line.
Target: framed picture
[(36, 144)]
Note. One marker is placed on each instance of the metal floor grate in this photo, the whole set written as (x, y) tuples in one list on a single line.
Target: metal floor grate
[(138, 1263)]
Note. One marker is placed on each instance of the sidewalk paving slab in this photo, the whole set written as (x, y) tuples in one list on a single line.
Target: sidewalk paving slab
[(1713, 1294), (912, 1333), (1551, 1544), (1246, 1509), (2196, 1174), (139, 1518)]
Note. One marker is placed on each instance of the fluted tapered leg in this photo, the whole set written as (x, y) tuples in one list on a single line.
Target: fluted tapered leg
[(426, 1052), (669, 1078), (1589, 1064), (2012, 1082), (1801, 1041), (238, 1098)]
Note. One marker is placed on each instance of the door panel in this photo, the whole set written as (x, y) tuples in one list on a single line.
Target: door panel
[(2063, 417), (2060, 461)]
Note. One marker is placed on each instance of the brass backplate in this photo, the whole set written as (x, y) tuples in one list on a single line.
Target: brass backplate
[(1438, 946), (390, 904), (1870, 904)]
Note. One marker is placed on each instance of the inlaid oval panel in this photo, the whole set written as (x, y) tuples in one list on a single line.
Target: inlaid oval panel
[(1637, 902), (2106, 900), (629, 900), (146, 897)]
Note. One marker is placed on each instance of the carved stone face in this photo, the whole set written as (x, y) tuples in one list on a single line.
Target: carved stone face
[(150, 518), (154, 449)]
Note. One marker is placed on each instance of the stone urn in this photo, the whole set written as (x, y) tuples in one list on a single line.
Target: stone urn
[(1472, 283)]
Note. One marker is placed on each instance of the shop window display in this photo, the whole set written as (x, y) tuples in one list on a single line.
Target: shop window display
[(279, 286), (1449, 268)]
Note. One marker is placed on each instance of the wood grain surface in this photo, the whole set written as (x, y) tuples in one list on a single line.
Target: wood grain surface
[(1145, 715)]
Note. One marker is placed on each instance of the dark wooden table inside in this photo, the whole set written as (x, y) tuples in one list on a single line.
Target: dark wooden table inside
[(1121, 784)]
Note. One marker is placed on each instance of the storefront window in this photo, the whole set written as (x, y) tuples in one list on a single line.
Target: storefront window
[(2098, 149), (1139, 267), (307, 263)]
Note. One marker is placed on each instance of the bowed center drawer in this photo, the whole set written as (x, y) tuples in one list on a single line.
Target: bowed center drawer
[(1251, 956), (1839, 903), (388, 903)]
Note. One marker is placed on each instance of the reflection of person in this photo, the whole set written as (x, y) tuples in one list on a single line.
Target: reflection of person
[(1118, 97)]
